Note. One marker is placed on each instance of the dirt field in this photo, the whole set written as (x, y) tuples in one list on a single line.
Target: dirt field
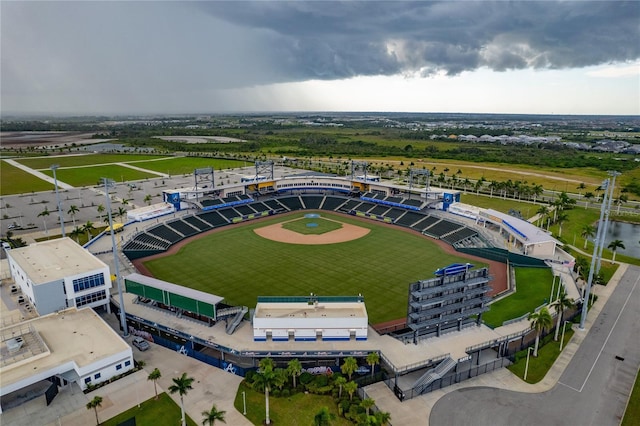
[(277, 233)]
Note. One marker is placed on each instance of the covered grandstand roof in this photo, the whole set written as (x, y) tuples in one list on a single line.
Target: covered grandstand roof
[(174, 288), (527, 232)]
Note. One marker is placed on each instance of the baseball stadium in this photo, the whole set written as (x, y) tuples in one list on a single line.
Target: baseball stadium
[(321, 267)]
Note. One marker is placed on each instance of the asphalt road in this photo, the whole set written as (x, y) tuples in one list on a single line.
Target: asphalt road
[(593, 390)]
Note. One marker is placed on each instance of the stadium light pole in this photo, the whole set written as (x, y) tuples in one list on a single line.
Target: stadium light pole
[(123, 319), (613, 174), (596, 246), (54, 167)]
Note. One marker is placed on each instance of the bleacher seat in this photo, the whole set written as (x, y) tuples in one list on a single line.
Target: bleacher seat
[(292, 203), (183, 227), (165, 233), (312, 202), (331, 203), (196, 222), (213, 218)]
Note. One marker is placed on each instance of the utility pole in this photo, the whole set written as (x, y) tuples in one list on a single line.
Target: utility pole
[(54, 167)]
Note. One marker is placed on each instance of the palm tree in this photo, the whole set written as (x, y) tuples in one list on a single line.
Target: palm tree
[(581, 187), (351, 388), (154, 376), (383, 417), (372, 359), (340, 381), (44, 213), (88, 227), (367, 404), (324, 417), (100, 209), (147, 199), (72, 211), (542, 212), (588, 231), (349, 366), (614, 246), (213, 415), (587, 196), (294, 369), (76, 233), (560, 219), (539, 321), (121, 212), (94, 404), (264, 380), (560, 304), (181, 385), (622, 198)]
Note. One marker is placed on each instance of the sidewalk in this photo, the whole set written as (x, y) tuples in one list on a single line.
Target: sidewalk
[(416, 410)]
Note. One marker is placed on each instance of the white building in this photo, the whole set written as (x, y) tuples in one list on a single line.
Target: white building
[(71, 346), (58, 274), (310, 319)]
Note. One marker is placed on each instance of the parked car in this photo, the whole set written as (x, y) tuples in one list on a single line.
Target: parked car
[(140, 343)]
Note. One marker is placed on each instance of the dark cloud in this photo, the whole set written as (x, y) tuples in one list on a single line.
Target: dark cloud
[(329, 40)]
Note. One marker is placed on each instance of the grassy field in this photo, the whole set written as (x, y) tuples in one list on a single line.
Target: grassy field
[(85, 176), (380, 266), (185, 165), (17, 181), (305, 226), (547, 355), (295, 410), (152, 413), (632, 413), (83, 160), (533, 287), (496, 203)]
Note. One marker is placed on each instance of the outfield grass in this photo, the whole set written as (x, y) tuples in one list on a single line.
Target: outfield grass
[(239, 265), (305, 226), (295, 410), (533, 287), (17, 181), (547, 355), (86, 176), (83, 160), (186, 165), (152, 413)]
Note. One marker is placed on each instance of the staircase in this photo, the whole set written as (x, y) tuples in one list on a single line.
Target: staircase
[(434, 374)]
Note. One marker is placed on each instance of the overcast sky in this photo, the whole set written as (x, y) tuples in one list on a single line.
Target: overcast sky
[(568, 57)]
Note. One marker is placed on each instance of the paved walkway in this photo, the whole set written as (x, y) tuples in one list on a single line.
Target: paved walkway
[(416, 410)]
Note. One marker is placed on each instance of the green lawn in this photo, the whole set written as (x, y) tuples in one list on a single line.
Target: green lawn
[(239, 265), (17, 181), (632, 413), (496, 203), (533, 287), (539, 366), (152, 413), (86, 176), (295, 410), (305, 226), (186, 165), (83, 160)]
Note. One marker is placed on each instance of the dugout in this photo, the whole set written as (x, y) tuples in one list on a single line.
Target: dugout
[(181, 300)]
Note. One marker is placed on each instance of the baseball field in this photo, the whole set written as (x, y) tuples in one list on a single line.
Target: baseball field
[(239, 264)]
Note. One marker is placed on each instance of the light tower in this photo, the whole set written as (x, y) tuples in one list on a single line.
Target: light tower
[(123, 319)]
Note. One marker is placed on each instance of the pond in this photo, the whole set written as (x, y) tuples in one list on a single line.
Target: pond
[(628, 233)]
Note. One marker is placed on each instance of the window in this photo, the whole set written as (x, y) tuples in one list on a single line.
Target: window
[(119, 367), (90, 298), (127, 363), (96, 376), (91, 281), (87, 380)]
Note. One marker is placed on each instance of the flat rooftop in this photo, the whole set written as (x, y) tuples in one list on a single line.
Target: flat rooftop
[(304, 310), (54, 260), (70, 336)]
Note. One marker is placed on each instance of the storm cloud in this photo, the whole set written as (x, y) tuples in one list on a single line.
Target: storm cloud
[(331, 40)]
